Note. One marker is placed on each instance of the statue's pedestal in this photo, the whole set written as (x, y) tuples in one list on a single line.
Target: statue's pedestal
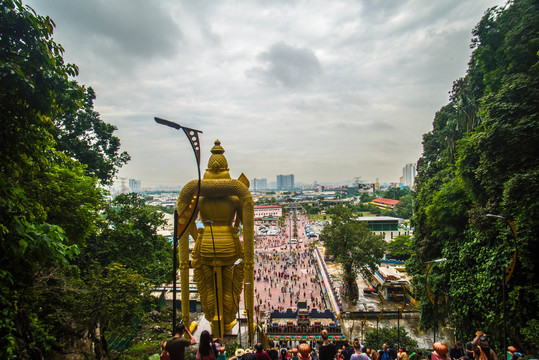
[(204, 324)]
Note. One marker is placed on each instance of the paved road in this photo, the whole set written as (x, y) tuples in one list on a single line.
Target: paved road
[(285, 273)]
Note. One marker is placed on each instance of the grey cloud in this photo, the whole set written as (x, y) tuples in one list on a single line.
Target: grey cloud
[(202, 12), (330, 103), (397, 18), (371, 126), (350, 86), (379, 10), (134, 27), (287, 66), (380, 126)]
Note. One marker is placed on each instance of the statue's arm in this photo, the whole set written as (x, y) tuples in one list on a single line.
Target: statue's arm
[(239, 215)]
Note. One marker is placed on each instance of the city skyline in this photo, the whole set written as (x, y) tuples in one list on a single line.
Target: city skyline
[(328, 91), (126, 184)]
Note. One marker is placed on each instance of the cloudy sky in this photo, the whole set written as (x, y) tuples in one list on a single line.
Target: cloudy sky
[(325, 90)]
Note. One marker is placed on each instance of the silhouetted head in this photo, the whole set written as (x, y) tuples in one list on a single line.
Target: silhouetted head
[(179, 329), (304, 350), (205, 343), (324, 335), (483, 344)]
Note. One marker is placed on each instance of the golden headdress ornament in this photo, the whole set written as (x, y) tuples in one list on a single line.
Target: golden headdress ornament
[(217, 165)]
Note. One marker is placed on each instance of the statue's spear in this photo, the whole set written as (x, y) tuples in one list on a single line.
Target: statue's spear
[(184, 218)]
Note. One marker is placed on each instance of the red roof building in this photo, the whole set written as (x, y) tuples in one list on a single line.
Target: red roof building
[(385, 203)]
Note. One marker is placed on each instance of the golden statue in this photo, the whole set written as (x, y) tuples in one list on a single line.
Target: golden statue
[(223, 204)]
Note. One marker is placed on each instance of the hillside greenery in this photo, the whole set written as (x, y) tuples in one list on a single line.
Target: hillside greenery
[(60, 285), (481, 158)]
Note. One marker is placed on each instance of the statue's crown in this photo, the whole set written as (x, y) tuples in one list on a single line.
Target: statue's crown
[(217, 165)]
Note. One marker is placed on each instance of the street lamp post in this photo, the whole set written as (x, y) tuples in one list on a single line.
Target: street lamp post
[(186, 216), (174, 267), (507, 273), (399, 314), (290, 237), (433, 299)]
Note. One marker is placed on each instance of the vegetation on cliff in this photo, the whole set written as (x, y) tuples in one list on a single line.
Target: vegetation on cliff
[(481, 158)]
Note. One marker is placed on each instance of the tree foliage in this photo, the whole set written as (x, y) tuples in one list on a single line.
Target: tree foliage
[(400, 247), (392, 336), (50, 198), (113, 297), (480, 158), (351, 243), (130, 238), (395, 193), (83, 136), (403, 209)]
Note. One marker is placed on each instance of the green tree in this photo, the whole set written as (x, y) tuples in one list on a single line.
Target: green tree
[(314, 210), (352, 191), (49, 207), (395, 193), (365, 198), (390, 336), (480, 158), (400, 247), (351, 244), (403, 208), (113, 300), (130, 238), (83, 136), (32, 91)]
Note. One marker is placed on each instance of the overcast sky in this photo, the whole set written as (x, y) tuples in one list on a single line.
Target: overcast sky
[(324, 90)]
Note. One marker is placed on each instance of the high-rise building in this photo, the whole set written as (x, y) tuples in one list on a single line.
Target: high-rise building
[(408, 175), (259, 184), (285, 182), (134, 185)]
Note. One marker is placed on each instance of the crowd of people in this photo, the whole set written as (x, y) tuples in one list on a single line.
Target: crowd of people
[(285, 274), (282, 279), (476, 349), (210, 349)]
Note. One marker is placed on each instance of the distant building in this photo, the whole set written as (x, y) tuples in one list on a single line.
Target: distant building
[(408, 175), (340, 190), (259, 184), (392, 283), (383, 203), (387, 226), (268, 214), (134, 185), (268, 210), (285, 182)]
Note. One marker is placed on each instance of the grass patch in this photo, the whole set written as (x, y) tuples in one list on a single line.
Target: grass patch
[(318, 217)]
